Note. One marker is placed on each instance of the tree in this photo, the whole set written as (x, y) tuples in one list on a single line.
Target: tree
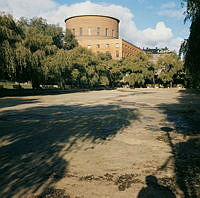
[(57, 35), (57, 68), (27, 46), (138, 70), (85, 62), (23, 61), (191, 47), (170, 69), (69, 40), (42, 40), (10, 34), (104, 56), (76, 67), (113, 72)]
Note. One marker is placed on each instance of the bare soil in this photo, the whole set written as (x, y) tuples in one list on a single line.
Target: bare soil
[(124, 143)]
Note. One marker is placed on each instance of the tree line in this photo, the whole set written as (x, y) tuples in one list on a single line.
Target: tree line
[(37, 52)]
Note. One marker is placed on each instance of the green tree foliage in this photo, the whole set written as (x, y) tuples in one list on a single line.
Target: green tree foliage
[(191, 47), (138, 70), (110, 72), (71, 67), (104, 56), (170, 69), (7, 63), (10, 34), (32, 50), (24, 47), (22, 64), (69, 40), (85, 62), (81, 68), (57, 68), (40, 44)]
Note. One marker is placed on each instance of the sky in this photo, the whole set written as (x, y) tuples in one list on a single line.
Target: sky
[(145, 23)]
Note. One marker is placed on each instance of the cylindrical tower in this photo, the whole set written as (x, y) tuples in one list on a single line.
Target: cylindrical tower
[(93, 27)]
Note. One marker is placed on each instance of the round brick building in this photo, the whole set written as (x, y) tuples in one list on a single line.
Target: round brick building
[(93, 27)]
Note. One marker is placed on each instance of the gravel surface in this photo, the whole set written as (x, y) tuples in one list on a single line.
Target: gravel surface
[(124, 143)]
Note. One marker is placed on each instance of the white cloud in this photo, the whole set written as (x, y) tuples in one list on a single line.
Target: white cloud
[(172, 13), (172, 44), (27, 8), (87, 7), (160, 33), (168, 5), (159, 36)]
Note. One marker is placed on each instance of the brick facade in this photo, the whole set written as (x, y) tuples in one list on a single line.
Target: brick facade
[(100, 34)]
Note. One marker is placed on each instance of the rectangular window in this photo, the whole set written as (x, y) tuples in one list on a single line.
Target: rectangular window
[(106, 32), (117, 53), (117, 45), (97, 46), (73, 31), (98, 31), (89, 31), (112, 33), (81, 31), (107, 45)]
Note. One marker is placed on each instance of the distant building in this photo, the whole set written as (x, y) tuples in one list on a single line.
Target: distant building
[(100, 34), (157, 50)]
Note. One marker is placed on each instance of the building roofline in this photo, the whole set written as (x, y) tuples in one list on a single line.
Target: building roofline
[(92, 15), (132, 44)]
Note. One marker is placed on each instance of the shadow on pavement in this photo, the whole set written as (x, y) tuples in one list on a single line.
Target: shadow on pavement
[(155, 190), (41, 92), (33, 142), (185, 117), (11, 102)]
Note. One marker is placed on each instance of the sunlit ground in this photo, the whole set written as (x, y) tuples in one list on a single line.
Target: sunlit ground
[(101, 144)]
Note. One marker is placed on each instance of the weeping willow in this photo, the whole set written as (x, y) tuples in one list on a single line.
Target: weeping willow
[(190, 48), (10, 34)]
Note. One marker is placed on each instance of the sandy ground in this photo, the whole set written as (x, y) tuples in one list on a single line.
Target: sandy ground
[(101, 144)]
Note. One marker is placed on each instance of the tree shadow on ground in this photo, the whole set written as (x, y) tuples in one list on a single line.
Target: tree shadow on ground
[(43, 92), (11, 102), (185, 117), (33, 142)]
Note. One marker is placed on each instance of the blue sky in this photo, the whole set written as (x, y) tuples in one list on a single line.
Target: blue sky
[(146, 23)]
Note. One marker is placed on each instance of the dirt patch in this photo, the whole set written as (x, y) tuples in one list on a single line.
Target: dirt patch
[(100, 144)]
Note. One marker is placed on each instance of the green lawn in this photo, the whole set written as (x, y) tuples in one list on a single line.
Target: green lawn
[(9, 85)]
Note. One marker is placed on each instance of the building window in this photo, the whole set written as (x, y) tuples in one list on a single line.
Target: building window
[(98, 46), (112, 33), (89, 31), (73, 31), (107, 45), (106, 32), (117, 53), (81, 31), (89, 46), (117, 45), (98, 31)]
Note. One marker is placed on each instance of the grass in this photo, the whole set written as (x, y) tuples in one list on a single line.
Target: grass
[(9, 85)]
